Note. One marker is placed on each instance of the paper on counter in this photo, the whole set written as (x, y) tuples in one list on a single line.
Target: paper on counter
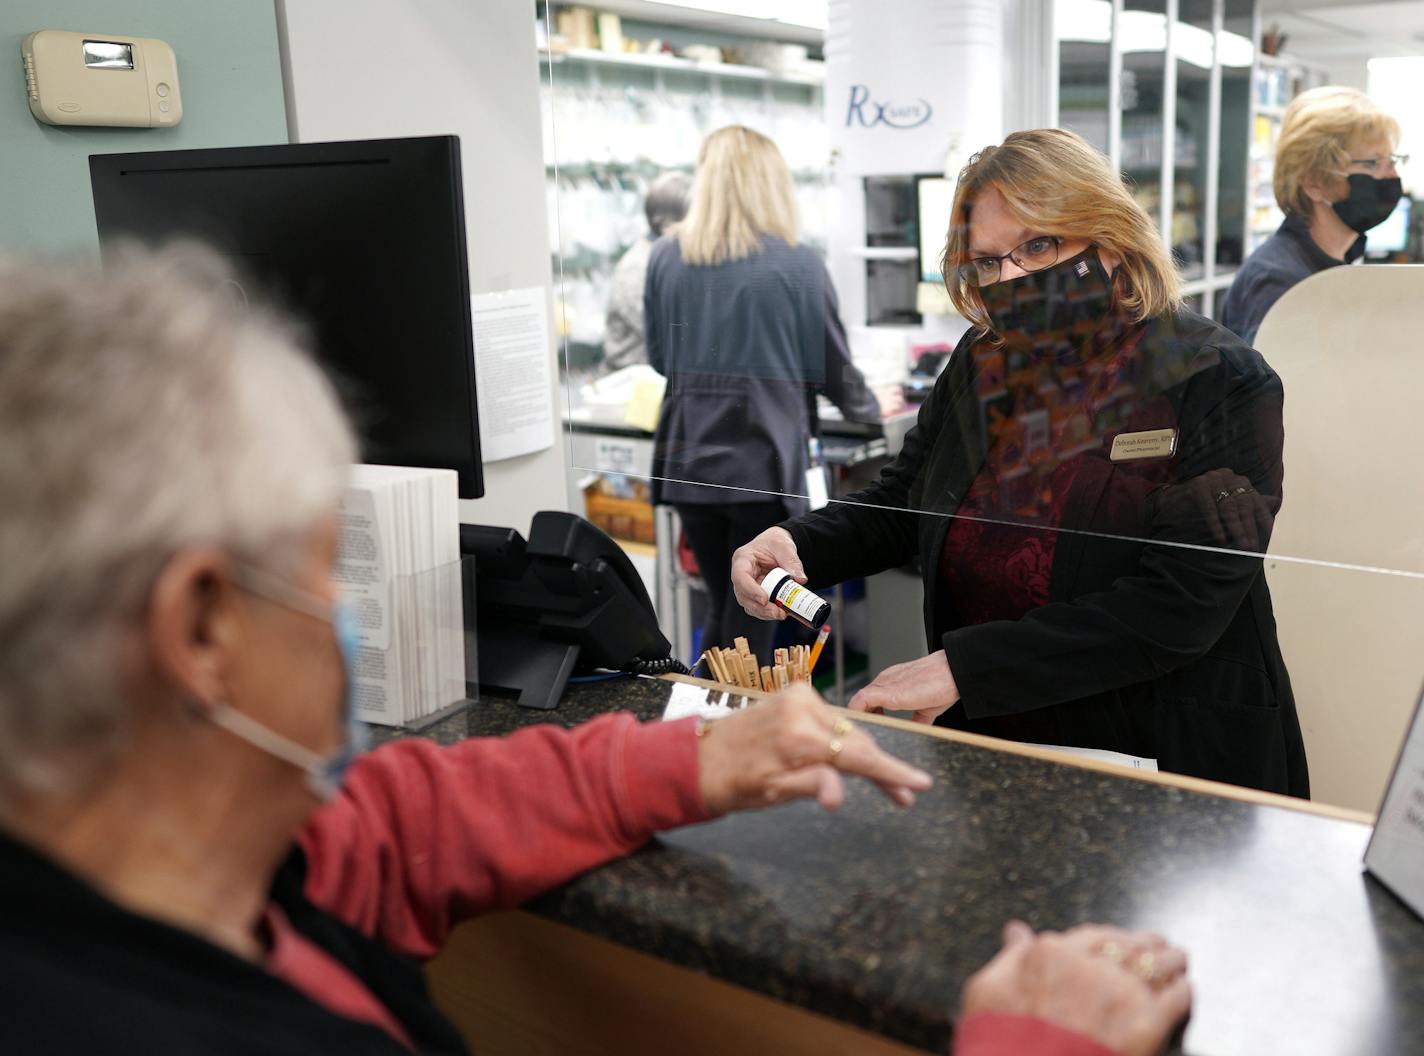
[(642, 411), (1102, 755), (512, 378), (688, 701)]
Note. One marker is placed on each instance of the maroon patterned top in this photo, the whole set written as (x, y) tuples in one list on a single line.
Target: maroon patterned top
[(1045, 423)]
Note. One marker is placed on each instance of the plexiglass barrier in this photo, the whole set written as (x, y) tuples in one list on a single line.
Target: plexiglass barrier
[(1123, 526)]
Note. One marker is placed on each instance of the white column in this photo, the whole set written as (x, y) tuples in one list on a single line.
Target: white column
[(912, 86), (372, 69), (904, 93)]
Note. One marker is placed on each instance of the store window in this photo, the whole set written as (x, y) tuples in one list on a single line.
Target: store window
[(1083, 30), (1237, 54), (1142, 36), (1194, 48)]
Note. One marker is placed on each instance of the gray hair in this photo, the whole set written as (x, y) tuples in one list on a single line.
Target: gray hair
[(666, 201), (143, 411)]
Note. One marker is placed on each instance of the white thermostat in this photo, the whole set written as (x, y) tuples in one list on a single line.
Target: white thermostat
[(99, 79)]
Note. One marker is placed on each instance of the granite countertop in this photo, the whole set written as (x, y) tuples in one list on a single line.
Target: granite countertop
[(876, 916)]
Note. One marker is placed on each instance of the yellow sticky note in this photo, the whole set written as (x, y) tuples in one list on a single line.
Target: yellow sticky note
[(642, 410)]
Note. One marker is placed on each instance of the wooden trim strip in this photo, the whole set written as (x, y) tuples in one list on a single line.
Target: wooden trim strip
[(1189, 784), (515, 984)]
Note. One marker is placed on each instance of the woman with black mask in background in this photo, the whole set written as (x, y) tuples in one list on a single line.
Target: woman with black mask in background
[(1336, 177), (1087, 491)]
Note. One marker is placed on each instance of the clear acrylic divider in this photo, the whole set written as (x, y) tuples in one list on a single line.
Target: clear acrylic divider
[(1053, 471)]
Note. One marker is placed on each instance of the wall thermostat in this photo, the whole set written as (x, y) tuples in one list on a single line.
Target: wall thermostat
[(98, 79)]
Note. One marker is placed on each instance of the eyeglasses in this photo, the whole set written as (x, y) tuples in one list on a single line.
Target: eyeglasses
[(1033, 255), (1373, 163)]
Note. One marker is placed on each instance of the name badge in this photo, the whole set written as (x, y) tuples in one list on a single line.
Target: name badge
[(1154, 443)]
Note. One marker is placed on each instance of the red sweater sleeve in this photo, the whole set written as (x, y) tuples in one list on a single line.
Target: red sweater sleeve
[(423, 837), (998, 1034)]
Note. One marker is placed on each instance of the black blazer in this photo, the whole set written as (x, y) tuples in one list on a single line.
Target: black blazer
[(745, 346), (1158, 650)]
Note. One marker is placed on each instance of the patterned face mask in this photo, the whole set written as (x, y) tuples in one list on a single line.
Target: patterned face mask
[(1046, 308)]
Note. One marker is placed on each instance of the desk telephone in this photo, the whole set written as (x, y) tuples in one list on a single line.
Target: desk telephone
[(566, 598)]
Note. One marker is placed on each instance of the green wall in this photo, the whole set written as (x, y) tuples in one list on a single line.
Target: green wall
[(231, 78)]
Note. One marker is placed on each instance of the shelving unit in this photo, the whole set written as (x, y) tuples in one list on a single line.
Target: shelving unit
[(1276, 80), (672, 63), (886, 252), (1166, 89), (613, 122), (655, 109)]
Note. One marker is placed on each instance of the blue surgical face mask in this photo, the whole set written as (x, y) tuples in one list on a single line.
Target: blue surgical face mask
[(358, 735), (324, 774)]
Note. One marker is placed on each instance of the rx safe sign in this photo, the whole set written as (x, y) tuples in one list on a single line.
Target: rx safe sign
[(865, 111)]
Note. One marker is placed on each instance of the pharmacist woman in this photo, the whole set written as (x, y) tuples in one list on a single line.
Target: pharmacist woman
[(1087, 492)]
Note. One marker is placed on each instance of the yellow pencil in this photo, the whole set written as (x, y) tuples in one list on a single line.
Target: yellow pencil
[(816, 649)]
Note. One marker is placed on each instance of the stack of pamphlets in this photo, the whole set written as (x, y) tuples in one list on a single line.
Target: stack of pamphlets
[(398, 565)]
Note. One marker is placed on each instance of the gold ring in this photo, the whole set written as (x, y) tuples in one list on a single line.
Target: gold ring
[(1113, 951), (837, 746), (841, 728), (1144, 966)]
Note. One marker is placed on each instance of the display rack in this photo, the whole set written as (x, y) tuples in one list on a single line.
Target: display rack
[(1169, 90), (614, 121), (813, 75), (1276, 81)]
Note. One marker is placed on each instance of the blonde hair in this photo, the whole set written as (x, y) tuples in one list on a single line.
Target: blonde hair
[(1055, 183), (742, 192), (1318, 129)]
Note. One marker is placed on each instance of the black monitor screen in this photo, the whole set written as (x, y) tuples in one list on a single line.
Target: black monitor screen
[(365, 241)]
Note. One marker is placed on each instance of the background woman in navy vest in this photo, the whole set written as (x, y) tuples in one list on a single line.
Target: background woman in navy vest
[(745, 324), (1336, 177), (1084, 492)]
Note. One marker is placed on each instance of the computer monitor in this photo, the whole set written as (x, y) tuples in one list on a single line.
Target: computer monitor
[(933, 197), (363, 240), (1391, 236)]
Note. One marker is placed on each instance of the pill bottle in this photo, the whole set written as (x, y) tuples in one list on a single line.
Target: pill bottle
[(785, 593)]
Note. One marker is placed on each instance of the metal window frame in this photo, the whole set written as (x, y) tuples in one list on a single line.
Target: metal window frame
[(1211, 281), (1168, 171), (1213, 158)]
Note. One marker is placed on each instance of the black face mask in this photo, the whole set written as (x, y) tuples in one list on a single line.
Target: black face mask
[(1052, 308), (1370, 201)]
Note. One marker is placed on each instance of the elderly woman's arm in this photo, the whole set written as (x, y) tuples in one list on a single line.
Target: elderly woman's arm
[(423, 837)]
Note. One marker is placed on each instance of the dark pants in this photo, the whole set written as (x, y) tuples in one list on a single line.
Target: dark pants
[(714, 532)]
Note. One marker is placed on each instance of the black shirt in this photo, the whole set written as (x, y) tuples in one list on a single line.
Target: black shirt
[(82, 974), (1283, 260)]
